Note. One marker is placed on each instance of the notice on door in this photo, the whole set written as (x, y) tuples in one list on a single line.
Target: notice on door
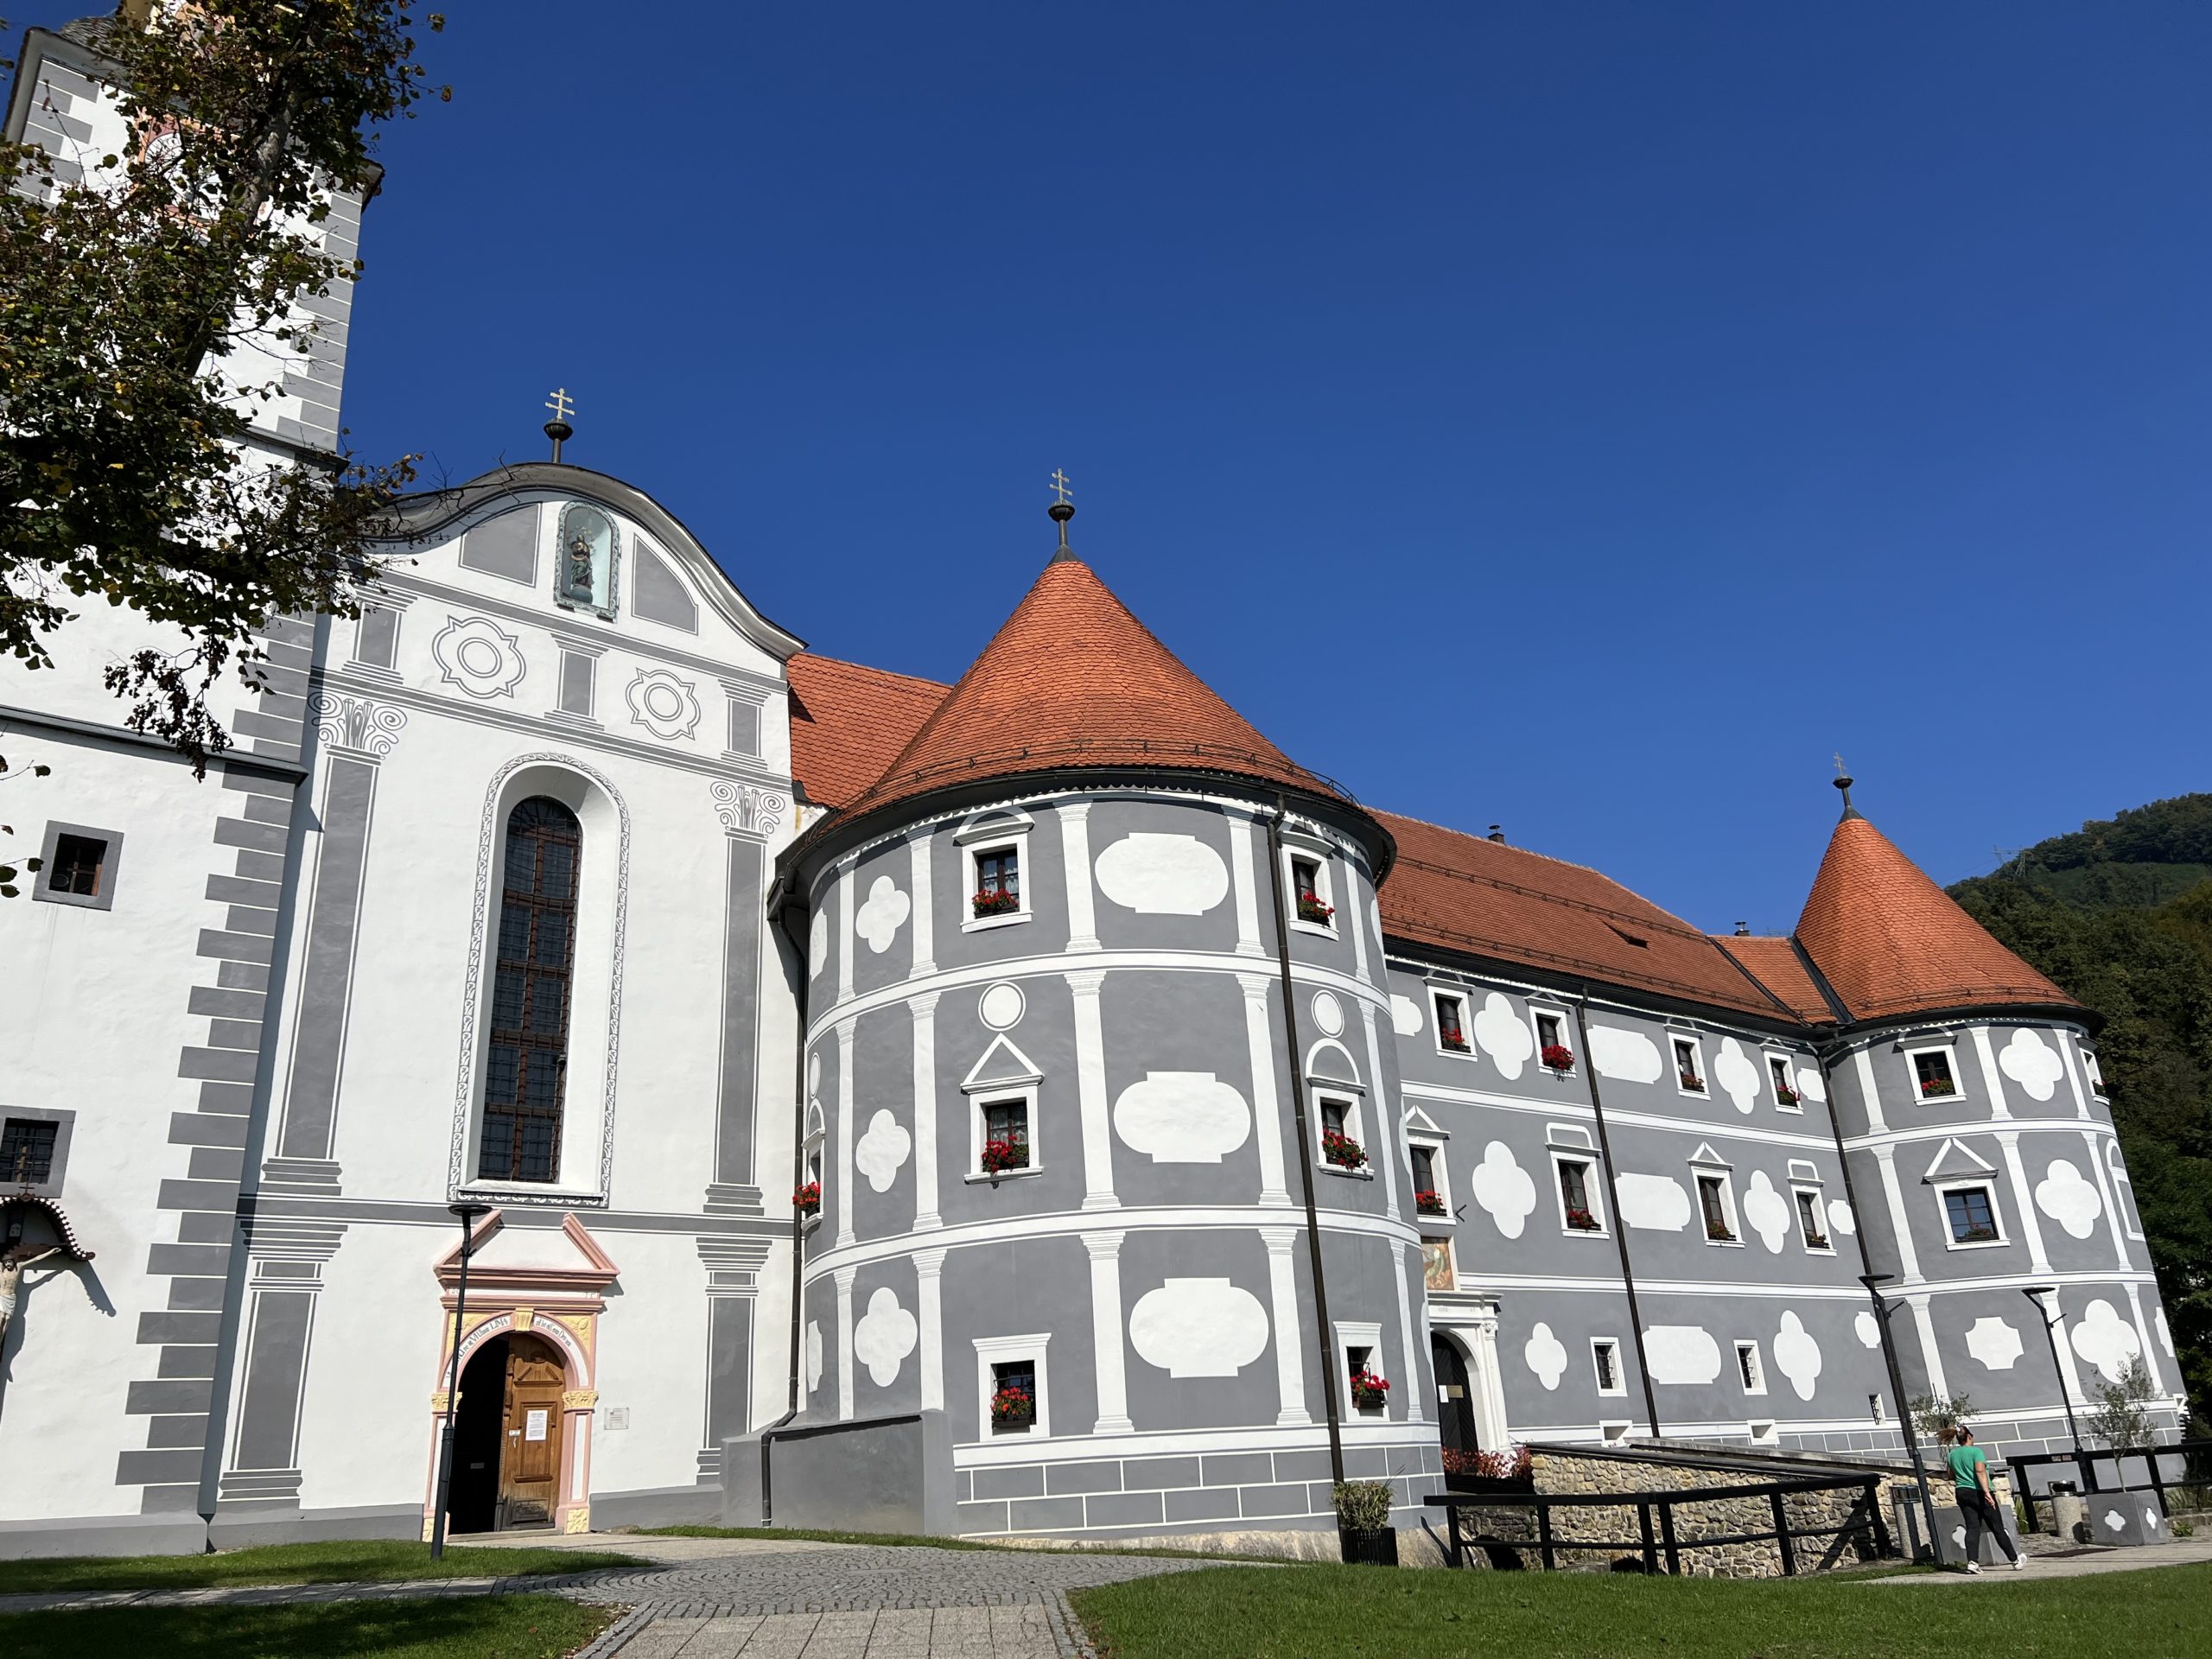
[(533, 1427)]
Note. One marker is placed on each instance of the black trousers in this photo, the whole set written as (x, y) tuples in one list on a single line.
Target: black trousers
[(1978, 1510)]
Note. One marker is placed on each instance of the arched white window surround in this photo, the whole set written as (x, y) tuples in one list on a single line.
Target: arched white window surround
[(596, 1020)]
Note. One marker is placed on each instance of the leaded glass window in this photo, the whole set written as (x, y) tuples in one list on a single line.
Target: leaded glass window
[(525, 1069)]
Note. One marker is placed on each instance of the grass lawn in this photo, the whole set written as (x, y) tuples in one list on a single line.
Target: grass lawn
[(374, 1561), (1332, 1612), (470, 1627)]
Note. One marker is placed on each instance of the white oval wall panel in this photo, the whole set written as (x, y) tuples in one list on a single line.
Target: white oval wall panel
[(1182, 1117), (1198, 1327), (1629, 1055), (1163, 875)]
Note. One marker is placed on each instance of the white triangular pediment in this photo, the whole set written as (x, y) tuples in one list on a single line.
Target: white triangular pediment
[(1420, 1122), (1953, 1161), (1705, 1154), (1001, 1064)]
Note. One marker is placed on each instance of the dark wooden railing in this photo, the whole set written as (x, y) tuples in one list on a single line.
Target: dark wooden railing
[(2195, 1461), (1657, 1538)]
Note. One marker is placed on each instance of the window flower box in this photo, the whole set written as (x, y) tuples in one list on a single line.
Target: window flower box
[(1369, 1391), (1342, 1150), (1430, 1204), (995, 902), (1934, 1088), (1817, 1241), (1785, 1094), (1454, 1042), (1979, 1235), (1014, 1407), (1557, 1057), (1580, 1219), (1489, 1472), (808, 1200), (1719, 1233), (1693, 1082), (1311, 909), (1000, 1155)]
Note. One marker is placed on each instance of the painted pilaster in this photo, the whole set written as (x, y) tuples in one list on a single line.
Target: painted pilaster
[(1870, 1098), (2054, 1314), (929, 1270), (1389, 1132), (1282, 1286), (1244, 832), (1105, 1250), (2142, 1334), (845, 867), (1090, 1090), (1075, 848), (734, 1188), (844, 1277), (733, 1267), (2110, 1198), (2074, 1077), (925, 911), (1999, 1111), (845, 1108), (1354, 912), (1885, 1159), (928, 1203), (1414, 1412), (283, 1291), (1267, 1116), (2024, 1200), (1923, 1325)]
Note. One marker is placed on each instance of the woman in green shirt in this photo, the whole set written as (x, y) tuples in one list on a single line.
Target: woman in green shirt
[(1977, 1503)]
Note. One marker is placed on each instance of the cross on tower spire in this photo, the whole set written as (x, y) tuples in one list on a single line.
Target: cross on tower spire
[(1061, 511), (1844, 781), (558, 429)]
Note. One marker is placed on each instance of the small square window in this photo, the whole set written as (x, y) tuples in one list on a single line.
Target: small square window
[(1369, 1392), (1605, 1360), (1932, 1074), (78, 867), (1336, 1118), (1309, 892), (1688, 1073), (1014, 1396), (998, 881), (1713, 1197), (1575, 1206), (1552, 1051), (1971, 1215), (1451, 1023), (1004, 1144), (2096, 1073), (1785, 1091), (26, 1151), (1428, 1181), (1749, 1368), (1812, 1220)]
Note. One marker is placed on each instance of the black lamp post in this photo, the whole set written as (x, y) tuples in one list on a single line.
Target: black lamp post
[(1905, 1411), (2081, 1465), (470, 1214)]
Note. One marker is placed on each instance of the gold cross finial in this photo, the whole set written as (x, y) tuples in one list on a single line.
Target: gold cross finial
[(560, 403), (1060, 486)]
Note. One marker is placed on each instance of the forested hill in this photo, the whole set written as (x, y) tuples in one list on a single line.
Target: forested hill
[(2120, 915)]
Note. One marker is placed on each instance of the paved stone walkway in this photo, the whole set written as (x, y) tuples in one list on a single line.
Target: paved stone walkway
[(2057, 1561)]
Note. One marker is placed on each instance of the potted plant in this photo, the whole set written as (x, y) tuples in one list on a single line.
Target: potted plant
[(1456, 1041), (1693, 1082), (1817, 1241), (1557, 1057), (1001, 1153), (808, 1200), (1786, 1094), (1342, 1150), (1979, 1234), (1430, 1204), (1719, 1233), (1930, 1088), (1012, 1408), (1311, 909), (1363, 1531), (995, 902), (1580, 1219), (1369, 1391)]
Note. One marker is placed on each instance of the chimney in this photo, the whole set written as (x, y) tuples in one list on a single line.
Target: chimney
[(1496, 834), (1742, 930)]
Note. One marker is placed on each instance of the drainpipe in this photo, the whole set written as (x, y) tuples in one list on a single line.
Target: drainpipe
[(1327, 1332), (1620, 1221), (798, 1222)]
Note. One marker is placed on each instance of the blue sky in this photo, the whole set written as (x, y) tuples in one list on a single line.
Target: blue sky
[(1585, 417)]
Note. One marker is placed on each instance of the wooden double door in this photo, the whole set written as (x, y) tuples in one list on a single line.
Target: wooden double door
[(507, 1437)]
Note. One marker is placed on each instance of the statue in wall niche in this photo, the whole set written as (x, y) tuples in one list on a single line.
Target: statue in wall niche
[(579, 559)]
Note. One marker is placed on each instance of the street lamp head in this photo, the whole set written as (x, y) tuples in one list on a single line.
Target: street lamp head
[(1871, 1280), (469, 1212)]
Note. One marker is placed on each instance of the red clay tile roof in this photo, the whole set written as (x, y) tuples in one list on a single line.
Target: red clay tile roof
[(849, 723), (1775, 963), (1464, 893), (1889, 941), (1073, 679)]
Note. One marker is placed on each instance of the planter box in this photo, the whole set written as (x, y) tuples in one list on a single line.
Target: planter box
[(1376, 1548), (1493, 1485)]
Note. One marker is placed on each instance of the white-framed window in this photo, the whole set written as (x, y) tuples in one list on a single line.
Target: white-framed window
[(2123, 1191), (1785, 1085), (2095, 1074), (810, 1163), (1359, 1353), (1716, 1207), (1934, 1072), (1689, 1071), (1750, 1370), (1581, 1204), (1002, 1131), (1972, 1220), (1554, 1052), (1308, 891), (1605, 1366), (1006, 1364), (1335, 1113), (995, 858), (1455, 1031), (1812, 1220), (1432, 1184)]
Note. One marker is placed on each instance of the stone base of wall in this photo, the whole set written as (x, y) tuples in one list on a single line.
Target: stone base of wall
[(1317, 1542), (103, 1535)]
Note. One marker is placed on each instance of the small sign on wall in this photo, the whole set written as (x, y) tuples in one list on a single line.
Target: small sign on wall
[(533, 1426)]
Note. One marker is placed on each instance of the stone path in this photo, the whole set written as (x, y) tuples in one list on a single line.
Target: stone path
[(763, 1598), (2056, 1562)]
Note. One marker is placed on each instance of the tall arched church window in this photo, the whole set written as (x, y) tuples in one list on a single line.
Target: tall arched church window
[(527, 1064), (586, 567)]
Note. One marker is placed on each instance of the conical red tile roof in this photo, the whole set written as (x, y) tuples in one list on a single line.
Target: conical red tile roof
[(1073, 679), (1889, 941)]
